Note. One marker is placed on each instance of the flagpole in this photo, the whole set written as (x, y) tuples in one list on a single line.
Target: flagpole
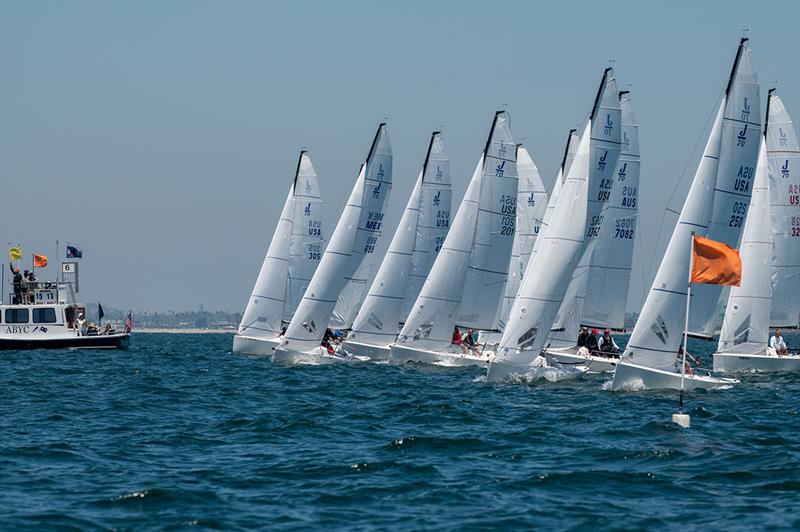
[(680, 418)]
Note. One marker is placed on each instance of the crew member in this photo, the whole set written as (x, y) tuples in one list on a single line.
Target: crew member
[(778, 343), (607, 343), (80, 324), (591, 342), (458, 340), (469, 342), (17, 283), (582, 336)]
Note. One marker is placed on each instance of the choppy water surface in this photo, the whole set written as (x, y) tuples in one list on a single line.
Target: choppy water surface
[(178, 431)]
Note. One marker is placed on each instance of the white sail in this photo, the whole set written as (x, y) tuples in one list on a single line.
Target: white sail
[(493, 240), (598, 290), (575, 222), (307, 245), (285, 264), (738, 154), (783, 154), (566, 162), (609, 272), (746, 324), (531, 206), (416, 242), (478, 224), (355, 237)]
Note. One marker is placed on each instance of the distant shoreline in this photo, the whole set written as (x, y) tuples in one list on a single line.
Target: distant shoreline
[(175, 330)]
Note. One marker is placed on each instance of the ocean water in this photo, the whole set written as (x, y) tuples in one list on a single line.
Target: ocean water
[(178, 432)]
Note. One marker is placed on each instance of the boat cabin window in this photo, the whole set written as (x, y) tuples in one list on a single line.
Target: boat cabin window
[(44, 315), (16, 315)]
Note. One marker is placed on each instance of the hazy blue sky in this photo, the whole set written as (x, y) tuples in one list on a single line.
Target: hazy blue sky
[(163, 136)]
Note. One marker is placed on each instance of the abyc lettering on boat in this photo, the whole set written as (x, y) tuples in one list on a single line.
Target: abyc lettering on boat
[(24, 329), (374, 221)]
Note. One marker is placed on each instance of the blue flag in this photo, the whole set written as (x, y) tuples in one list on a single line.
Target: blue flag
[(100, 312), (74, 252)]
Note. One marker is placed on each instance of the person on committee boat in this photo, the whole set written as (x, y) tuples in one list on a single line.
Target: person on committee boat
[(80, 325), (17, 284)]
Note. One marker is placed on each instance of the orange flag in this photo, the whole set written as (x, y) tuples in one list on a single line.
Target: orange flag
[(39, 261), (715, 263)]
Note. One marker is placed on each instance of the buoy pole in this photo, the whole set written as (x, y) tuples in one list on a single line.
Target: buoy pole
[(684, 420)]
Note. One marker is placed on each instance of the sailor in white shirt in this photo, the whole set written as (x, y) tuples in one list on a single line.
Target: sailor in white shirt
[(778, 344)]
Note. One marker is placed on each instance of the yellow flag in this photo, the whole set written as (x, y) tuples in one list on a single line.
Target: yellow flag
[(14, 254)]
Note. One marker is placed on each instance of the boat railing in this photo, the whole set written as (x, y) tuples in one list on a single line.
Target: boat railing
[(42, 293)]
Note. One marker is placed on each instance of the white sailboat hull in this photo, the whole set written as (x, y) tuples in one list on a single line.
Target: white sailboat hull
[(593, 363), (400, 355), (765, 360), (250, 345), (316, 357), (373, 352), (631, 377)]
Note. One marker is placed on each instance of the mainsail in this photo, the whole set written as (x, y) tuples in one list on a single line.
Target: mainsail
[(531, 206), (783, 154), (598, 290), (292, 256), (355, 237), (732, 188), (745, 328), (576, 220), (414, 247), (471, 267)]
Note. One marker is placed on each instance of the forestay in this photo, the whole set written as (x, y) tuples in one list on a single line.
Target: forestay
[(745, 328), (575, 222), (531, 206), (356, 236), (292, 256), (783, 155), (492, 188), (415, 244), (738, 153)]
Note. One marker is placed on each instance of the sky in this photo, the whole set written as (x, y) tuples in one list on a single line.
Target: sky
[(162, 136)]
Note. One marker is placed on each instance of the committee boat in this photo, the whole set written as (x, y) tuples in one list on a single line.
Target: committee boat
[(723, 179), (45, 316)]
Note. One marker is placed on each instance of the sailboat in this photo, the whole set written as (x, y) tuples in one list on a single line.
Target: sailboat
[(729, 203), (528, 176), (467, 280), (575, 221), (743, 343), (292, 258), (598, 291), (416, 243), (783, 155), (723, 179), (355, 237)]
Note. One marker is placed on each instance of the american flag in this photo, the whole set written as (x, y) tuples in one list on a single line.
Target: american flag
[(128, 323)]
